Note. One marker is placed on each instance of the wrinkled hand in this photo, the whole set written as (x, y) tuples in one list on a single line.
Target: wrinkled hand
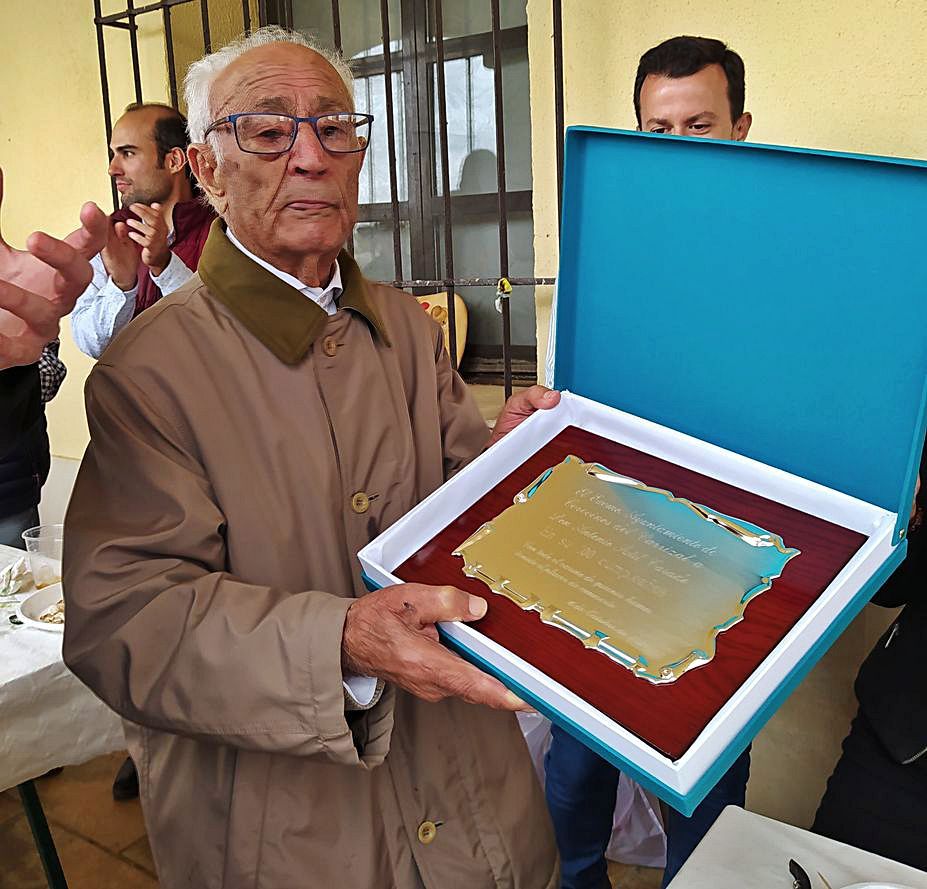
[(151, 235), (39, 285), (120, 256), (391, 634), (521, 406)]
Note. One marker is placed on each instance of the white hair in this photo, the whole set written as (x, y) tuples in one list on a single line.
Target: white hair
[(201, 74)]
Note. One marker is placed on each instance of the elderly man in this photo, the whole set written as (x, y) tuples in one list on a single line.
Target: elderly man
[(249, 434)]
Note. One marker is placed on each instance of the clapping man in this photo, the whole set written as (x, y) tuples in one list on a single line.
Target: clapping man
[(155, 238)]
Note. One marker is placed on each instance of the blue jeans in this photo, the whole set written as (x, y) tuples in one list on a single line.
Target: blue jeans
[(581, 790)]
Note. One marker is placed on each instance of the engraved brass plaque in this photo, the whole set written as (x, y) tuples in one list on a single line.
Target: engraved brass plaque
[(644, 577)]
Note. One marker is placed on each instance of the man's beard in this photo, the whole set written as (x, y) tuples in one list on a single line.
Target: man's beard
[(140, 197), (144, 196)]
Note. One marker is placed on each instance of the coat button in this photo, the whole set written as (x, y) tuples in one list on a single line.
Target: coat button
[(330, 347), (360, 502), (427, 831)]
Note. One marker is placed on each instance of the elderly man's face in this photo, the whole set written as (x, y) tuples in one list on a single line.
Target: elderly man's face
[(286, 206)]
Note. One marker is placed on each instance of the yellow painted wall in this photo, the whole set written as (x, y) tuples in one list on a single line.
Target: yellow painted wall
[(53, 144), (841, 74), (52, 135)]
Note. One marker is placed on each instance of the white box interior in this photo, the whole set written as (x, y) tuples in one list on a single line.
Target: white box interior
[(407, 536)]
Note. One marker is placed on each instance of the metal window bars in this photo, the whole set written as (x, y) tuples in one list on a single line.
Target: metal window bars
[(127, 20), (281, 12)]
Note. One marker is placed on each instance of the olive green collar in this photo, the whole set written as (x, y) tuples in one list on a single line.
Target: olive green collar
[(281, 317)]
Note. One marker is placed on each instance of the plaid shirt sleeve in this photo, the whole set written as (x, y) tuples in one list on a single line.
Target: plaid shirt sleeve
[(51, 371)]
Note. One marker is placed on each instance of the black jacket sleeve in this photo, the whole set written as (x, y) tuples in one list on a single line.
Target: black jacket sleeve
[(20, 404), (891, 686)]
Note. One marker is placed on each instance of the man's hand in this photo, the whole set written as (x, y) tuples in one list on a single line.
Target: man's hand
[(151, 235), (391, 634), (120, 256), (521, 406), (39, 285)]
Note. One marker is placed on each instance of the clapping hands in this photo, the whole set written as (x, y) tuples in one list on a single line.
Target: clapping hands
[(39, 285)]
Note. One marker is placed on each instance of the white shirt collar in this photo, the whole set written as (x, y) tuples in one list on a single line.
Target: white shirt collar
[(326, 297)]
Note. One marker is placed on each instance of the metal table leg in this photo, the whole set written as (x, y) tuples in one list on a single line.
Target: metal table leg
[(44, 843)]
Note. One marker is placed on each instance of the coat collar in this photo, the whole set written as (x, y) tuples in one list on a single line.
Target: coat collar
[(284, 320)]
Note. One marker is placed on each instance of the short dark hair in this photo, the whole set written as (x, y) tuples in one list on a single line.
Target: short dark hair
[(170, 128), (685, 56)]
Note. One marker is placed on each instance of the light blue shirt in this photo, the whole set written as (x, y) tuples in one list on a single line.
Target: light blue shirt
[(102, 310)]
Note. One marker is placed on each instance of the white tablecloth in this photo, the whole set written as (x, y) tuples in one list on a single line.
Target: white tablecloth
[(744, 849), (47, 717)]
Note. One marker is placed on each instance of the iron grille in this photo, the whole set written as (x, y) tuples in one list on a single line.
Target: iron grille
[(418, 55)]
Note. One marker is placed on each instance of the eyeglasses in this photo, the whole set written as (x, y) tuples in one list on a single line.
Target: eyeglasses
[(260, 133)]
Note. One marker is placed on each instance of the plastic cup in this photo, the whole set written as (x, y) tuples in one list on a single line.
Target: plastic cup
[(43, 546)]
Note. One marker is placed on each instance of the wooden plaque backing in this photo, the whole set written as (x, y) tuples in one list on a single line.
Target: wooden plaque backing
[(668, 717)]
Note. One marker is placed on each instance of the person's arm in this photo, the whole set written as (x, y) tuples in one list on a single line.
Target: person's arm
[(908, 585), (175, 275), (163, 633), (19, 405), (150, 233), (464, 433), (39, 285), (51, 371), (28, 321), (102, 310), (157, 626)]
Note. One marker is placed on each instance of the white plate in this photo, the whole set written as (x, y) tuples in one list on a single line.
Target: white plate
[(32, 606), (877, 886)]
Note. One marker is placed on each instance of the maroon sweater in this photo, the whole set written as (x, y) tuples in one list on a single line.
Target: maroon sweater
[(192, 220)]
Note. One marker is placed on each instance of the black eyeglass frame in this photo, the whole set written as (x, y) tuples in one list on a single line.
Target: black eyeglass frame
[(312, 121)]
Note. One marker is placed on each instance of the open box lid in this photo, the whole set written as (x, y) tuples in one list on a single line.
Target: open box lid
[(766, 299)]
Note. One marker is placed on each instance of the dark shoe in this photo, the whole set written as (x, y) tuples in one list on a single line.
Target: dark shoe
[(125, 785)]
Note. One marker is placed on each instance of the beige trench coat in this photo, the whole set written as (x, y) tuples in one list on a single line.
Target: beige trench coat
[(210, 560)]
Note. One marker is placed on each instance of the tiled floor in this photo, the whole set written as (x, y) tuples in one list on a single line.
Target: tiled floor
[(629, 877), (102, 843)]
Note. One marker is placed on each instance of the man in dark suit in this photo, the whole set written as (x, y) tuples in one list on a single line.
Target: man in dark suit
[(875, 799)]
